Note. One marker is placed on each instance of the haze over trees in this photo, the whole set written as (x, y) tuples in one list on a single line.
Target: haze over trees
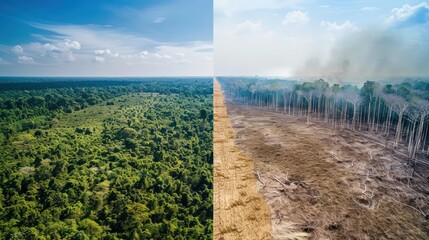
[(106, 159), (398, 113)]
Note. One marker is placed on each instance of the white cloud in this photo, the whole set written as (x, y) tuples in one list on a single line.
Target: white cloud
[(98, 37), (25, 59), (334, 26), (76, 50), (17, 49), (49, 47), (162, 56), (295, 17), (106, 53), (248, 26), (413, 14), (278, 46), (69, 45), (190, 54), (58, 50), (260, 54), (99, 59), (62, 46), (159, 20), (144, 54), (99, 52)]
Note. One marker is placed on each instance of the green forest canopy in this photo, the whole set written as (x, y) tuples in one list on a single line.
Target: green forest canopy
[(120, 160)]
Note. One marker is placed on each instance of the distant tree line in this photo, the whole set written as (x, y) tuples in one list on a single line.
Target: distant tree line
[(19, 109)]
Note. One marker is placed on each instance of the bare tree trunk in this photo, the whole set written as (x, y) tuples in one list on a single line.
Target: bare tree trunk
[(309, 108), (425, 131), (360, 118), (387, 121), (369, 113), (345, 116), (326, 109), (419, 136), (388, 127), (378, 115), (398, 128), (411, 142), (334, 112), (284, 103), (373, 116), (354, 116)]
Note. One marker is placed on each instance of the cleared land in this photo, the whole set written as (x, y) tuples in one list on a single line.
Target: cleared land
[(325, 185), (239, 209)]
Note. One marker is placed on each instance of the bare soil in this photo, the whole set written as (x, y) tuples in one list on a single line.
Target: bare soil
[(240, 211), (324, 185)]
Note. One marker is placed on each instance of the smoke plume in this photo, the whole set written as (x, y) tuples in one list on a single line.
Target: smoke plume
[(371, 54)]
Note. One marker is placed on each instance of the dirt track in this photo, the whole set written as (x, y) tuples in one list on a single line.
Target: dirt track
[(239, 209), (321, 185)]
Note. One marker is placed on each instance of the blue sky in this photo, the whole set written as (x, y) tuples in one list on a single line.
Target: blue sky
[(106, 38), (342, 39)]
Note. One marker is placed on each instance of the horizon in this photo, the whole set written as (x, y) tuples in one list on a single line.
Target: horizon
[(155, 76)]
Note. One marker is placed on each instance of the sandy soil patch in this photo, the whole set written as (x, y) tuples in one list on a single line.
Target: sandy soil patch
[(239, 209)]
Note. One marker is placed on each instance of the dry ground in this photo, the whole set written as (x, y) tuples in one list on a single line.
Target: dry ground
[(239, 209), (321, 185)]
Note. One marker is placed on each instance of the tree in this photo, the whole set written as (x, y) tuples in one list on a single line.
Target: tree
[(388, 89), (203, 114), (90, 227), (130, 144), (127, 132), (368, 93), (75, 182)]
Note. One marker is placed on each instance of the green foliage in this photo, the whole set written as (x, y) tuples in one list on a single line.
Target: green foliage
[(139, 168), (127, 132), (388, 89), (203, 114), (368, 90), (404, 92), (90, 227)]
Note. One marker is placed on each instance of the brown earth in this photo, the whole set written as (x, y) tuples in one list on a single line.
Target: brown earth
[(321, 185), (239, 209)]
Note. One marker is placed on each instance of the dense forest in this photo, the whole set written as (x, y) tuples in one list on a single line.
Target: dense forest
[(106, 159), (396, 113)]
